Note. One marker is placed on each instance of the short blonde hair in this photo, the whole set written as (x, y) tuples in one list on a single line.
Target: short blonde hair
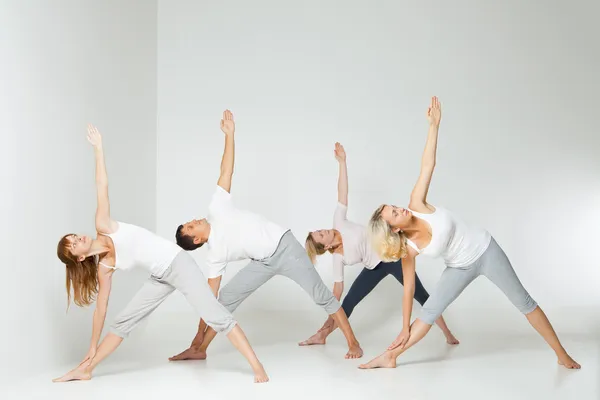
[(314, 248), (390, 246)]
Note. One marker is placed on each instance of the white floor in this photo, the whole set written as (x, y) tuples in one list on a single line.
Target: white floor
[(484, 366)]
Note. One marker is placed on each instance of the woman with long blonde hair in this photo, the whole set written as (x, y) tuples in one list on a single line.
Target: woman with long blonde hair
[(91, 264), (468, 252), (348, 244)]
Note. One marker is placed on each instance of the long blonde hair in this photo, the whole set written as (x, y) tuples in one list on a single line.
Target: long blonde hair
[(314, 248), (390, 246), (82, 276)]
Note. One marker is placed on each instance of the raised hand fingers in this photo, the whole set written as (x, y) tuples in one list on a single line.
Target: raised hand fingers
[(227, 115)]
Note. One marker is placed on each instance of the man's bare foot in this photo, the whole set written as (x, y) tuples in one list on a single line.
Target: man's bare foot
[(78, 374), (450, 339), (189, 354), (354, 352), (260, 375), (317, 338), (567, 362), (386, 360)]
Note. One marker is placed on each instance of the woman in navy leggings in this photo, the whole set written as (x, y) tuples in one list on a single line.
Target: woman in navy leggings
[(348, 244)]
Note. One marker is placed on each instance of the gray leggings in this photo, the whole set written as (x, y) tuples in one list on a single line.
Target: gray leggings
[(494, 265), (289, 260), (184, 275)]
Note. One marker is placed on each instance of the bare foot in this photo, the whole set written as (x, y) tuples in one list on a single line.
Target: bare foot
[(450, 339), (77, 374), (354, 352), (317, 338), (386, 360), (567, 362), (189, 354), (260, 375)]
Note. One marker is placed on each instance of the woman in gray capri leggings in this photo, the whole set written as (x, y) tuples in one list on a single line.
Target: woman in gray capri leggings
[(90, 264), (404, 233)]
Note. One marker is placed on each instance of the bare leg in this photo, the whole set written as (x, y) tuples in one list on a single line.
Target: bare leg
[(240, 342), (320, 337), (84, 371), (193, 352), (418, 330), (354, 350), (537, 318), (209, 335), (450, 339)]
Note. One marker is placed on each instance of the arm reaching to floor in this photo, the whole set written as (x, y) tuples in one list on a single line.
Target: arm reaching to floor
[(104, 286), (418, 197), (408, 271), (228, 128), (104, 223)]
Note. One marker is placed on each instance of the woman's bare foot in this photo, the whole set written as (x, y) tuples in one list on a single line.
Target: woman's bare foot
[(450, 339), (317, 338), (354, 352), (567, 362), (386, 360), (189, 354), (80, 373), (260, 375)]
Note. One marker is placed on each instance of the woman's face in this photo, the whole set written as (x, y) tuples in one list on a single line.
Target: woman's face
[(397, 217), (324, 237)]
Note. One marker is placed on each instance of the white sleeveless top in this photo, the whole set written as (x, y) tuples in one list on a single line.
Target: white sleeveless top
[(357, 249), (456, 242), (136, 246)]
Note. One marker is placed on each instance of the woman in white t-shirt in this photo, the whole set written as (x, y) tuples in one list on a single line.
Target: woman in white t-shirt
[(90, 264), (468, 252), (348, 244)]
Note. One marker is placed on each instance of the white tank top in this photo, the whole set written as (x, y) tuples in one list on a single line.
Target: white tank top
[(457, 243), (136, 246)]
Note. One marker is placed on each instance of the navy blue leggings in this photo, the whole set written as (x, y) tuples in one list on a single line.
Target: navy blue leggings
[(369, 278)]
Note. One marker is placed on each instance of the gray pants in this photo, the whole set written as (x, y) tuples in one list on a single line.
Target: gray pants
[(184, 275), (494, 265), (290, 260)]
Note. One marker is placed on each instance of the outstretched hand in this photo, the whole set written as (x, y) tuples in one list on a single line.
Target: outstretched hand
[(340, 153), (434, 112), (94, 137), (227, 124)]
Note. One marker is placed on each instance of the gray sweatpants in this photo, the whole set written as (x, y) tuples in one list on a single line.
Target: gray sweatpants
[(184, 275), (290, 260), (494, 265)]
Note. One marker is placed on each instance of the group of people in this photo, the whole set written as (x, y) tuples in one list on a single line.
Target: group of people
[(390, 243)]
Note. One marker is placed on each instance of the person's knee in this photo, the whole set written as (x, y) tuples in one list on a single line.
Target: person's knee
[(227, 298), (422, 299), (224, 324), (526, 304), (329, 303), (429, 314), (348, 308), (119, 327)]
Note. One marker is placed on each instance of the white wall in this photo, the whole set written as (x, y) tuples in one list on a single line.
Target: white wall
[(518, 149), (66, 63)]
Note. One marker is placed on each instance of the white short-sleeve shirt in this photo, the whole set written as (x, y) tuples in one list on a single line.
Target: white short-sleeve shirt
[(237, 234)]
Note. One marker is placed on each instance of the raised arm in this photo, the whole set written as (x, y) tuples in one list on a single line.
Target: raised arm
[(103, 221), (228, 128), (340, 156), (418, 197)]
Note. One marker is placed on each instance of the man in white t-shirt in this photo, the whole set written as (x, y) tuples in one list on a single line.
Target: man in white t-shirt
[(232, 234)]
